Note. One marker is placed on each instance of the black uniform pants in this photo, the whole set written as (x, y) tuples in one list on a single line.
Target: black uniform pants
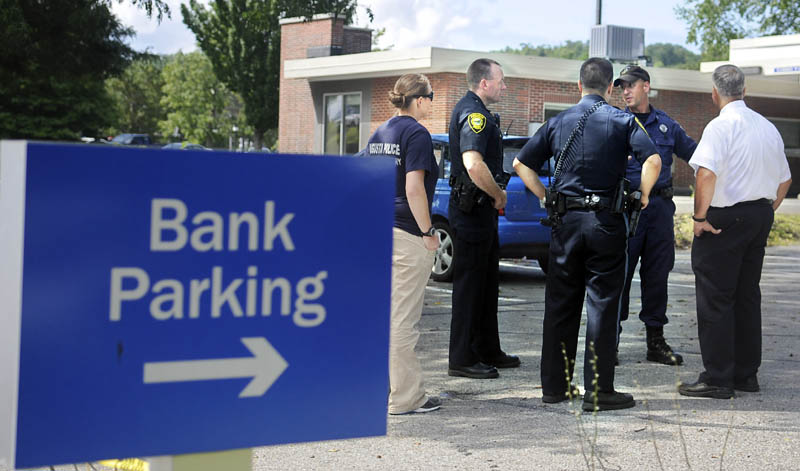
[(654, 243), (473, 328), (587, 259), (727, 270)]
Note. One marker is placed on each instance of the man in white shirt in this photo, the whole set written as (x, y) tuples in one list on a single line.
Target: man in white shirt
[(742, 177)]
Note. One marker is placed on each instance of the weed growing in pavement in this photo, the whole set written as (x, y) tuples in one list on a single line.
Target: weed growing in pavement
[(576, 410), (651, 424)]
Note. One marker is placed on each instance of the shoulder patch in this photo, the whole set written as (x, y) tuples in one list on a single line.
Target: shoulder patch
[(477, 122)]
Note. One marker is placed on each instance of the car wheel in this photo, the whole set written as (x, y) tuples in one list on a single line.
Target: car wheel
[(443, 261), (543, 261)]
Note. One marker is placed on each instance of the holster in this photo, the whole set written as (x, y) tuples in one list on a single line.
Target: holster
[(464, 193), (621, 194), (556, 205), (634, 210)]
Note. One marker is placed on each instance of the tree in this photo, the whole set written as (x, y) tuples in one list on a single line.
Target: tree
[(713, 23), (578, 50), (137, 94), (199, 106), (160, 7), (672, 56), (53, 63), (242, 40)]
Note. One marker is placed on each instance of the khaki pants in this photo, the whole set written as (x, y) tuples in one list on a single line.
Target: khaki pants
[(411, 267)]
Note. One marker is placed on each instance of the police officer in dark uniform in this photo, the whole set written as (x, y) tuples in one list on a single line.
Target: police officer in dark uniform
[(591, 142), (476, 150), (654, 240)]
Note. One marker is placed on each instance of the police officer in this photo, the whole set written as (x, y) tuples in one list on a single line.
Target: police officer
[(477, 156), (654, 240), (591, 142)]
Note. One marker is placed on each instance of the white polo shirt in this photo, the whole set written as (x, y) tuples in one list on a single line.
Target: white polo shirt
[(745, 151)]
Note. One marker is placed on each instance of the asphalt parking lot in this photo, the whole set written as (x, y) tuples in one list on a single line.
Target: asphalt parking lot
[(502, 424)]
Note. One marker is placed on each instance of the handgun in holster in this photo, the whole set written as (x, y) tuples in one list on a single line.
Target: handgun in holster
[(464, 191), (556, 204), (634, 209)]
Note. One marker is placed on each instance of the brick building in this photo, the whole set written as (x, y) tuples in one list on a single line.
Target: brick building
[(334, 91)]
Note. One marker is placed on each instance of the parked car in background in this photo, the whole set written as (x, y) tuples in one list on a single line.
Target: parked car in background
[(129, 139), (521, 233), (184, 146)]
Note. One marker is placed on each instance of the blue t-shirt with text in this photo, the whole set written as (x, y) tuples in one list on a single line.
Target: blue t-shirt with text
[(409, 144)]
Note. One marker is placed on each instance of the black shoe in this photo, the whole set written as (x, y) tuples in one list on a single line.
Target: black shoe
[(700, 389), (607, 401), (503, 361), (561, 397), (748, 385), (432, 404), (658, 350), (477, 371)]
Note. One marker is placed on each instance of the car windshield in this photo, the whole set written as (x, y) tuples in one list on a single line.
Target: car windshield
[(123, 139)]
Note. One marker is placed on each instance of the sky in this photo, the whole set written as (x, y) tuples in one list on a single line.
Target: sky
[(465, 24)]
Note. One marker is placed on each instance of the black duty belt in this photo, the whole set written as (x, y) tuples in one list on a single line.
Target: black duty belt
[(667, 192), (593, 202)]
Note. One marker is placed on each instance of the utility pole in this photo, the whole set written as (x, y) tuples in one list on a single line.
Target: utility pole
[(599, 17)]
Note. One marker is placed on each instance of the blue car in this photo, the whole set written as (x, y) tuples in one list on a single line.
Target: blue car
[(521, 233)]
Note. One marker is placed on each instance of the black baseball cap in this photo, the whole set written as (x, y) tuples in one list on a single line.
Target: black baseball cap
[(631, 74)]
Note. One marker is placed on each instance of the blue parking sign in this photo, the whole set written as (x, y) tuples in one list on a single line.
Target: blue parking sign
[(169, 302)]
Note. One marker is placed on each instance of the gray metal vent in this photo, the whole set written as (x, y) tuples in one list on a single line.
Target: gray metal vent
[(616, 42)]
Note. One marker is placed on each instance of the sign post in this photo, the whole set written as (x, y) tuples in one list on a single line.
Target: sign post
[(177, 302)]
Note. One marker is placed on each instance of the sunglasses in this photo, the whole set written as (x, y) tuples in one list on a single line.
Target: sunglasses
[(429, 95)]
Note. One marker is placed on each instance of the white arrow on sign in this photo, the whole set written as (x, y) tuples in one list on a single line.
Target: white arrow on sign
[(265, 366)]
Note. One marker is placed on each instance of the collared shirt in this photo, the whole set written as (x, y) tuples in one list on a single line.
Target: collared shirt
[(669, 138), (609, 137), (473, 127), (745, 151)]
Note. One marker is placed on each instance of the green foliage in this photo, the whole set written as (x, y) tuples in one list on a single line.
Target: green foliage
[(376, 36), (785, 230), (577, 50), (672, 56), (160, 7), (713, 23), (198, 105), (137, 94), (242, 40), (53, 63)]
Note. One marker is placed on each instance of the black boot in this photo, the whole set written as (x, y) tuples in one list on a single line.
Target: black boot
[(658, 349)]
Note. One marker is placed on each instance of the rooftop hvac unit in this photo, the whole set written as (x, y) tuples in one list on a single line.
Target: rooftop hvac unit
[(619, 43)]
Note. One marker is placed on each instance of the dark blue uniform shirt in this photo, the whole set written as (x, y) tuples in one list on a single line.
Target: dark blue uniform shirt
[(409, 143), (669, 138), (609, 137), (473, 127)]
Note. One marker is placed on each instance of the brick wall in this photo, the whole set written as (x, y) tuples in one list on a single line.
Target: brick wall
[(297, 119), (356, 40)]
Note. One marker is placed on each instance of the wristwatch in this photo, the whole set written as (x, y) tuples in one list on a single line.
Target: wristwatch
[(696, 219), (430, 233)]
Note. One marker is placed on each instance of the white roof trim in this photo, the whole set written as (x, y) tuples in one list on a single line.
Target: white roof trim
[(430, 60)]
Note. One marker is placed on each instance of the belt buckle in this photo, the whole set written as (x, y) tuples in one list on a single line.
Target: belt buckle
[(592, 201)]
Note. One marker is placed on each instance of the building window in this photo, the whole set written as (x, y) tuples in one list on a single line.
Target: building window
[(342, 123), (552, 109)]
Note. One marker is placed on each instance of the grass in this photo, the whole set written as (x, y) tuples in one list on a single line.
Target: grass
[(785, 230)]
